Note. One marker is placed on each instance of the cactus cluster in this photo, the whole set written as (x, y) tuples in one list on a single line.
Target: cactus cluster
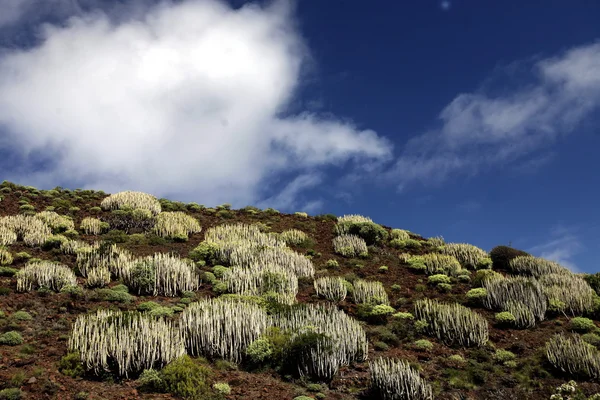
[(176, 225), (573, 356), (453, 324), (349, 245), (44, 274), (467, 255), (131, 341), (536, 266), (331, 287), (393, 379), (369, 292), (131, 200)]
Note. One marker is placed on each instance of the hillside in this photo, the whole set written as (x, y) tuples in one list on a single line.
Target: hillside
[(316, 306)]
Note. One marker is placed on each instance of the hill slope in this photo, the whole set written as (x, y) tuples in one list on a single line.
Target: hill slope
[(68, 254)]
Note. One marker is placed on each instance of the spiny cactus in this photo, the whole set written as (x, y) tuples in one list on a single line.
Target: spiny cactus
[(44, 274), (453, 323), (393, 379), (132, 200)]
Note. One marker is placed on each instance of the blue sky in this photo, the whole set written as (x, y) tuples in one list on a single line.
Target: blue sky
[(472, 120)]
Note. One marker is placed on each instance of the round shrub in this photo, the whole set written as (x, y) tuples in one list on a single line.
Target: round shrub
[(219, 270), (404, 316), (423, 344), (505, 318), (259, 350), (581, 324), (444, 287), (11, 394), (502, 355), (21, 316), (484, 263), (186, 378), (147, 306), (438, 278), (483, 275), (476, 295), (11, 338)]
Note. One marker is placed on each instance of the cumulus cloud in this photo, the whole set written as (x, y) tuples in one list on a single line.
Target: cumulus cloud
[(480, 130), (181, 99)]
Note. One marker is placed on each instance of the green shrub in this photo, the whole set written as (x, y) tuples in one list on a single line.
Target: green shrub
[(483, 275), (11, 338), (580, 324), (332, 264), (501, 256), (115, 236), (71, 365), (11, 394), (383, 268), (205, 251), (505, 318), (404, 316), (371, 232), (113, 295), (151, 379), (72, 290), (21, 316), (502, 355), (381, 346), (222, 388), (591, 338), (187, 378), (444, 287), (484, 263), (438, 278), (219, 270), (259, 350), (423, 344), (476, 295)]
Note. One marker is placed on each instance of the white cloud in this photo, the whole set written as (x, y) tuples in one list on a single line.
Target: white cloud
[(563, 245), (184, 100), (480, 130), (291, 198)]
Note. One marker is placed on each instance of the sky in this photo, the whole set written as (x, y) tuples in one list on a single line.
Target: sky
[(477, 121)]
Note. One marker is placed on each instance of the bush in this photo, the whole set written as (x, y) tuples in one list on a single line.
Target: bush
[(115, 236), (151, 379), (505, 318), (113, 295), (11, 394), (222, 388), (591, 338), (71, 365), (186, 378), (11, 338), (484, 263), (501, 256), (504, 355), (444, 287), (8, 271), (404, 316), (423, 344), (205, 251), (21, 316), (371, 232), (483, 275), (580, 324), (259, 350), (219, 270), (476, 295), (438, 278)]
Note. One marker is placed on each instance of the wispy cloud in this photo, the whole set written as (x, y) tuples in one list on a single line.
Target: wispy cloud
[(563, 244), (291, 196), (182, 99), (482, 130)]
